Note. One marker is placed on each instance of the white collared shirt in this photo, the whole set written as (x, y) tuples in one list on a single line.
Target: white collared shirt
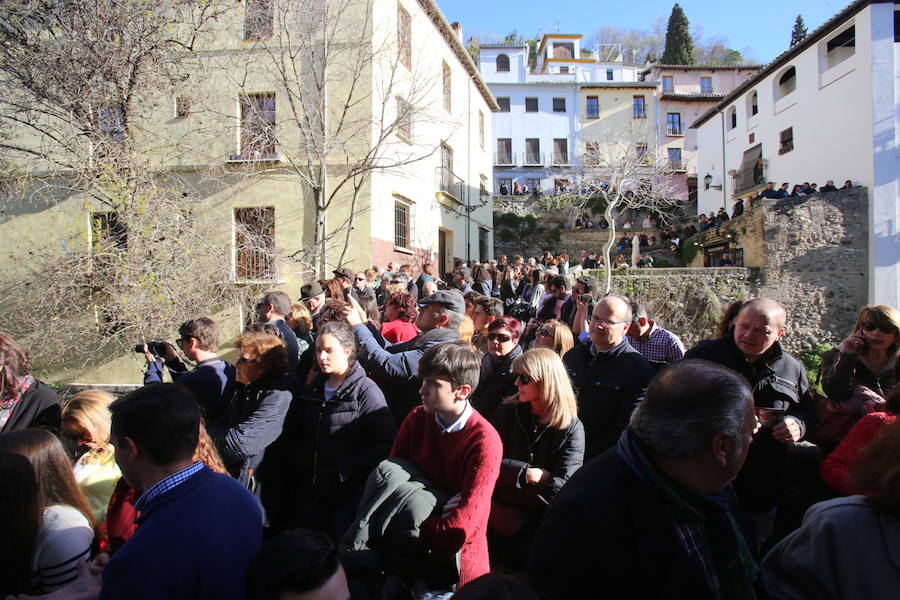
[(459, 423)]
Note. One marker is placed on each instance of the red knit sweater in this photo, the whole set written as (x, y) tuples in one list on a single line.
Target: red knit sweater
[(466, 462), (837, 468)]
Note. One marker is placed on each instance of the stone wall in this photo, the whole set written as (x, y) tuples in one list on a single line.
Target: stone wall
[(685, 301), (817, 253)]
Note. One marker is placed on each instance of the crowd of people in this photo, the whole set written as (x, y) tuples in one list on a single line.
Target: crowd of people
[(512, 433)]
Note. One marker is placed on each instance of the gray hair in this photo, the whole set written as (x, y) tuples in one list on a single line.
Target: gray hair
[(279, 301), (454, 319), (689, 403)]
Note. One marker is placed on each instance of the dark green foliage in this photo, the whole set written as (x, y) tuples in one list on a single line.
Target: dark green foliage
[(679, 45), (799, 31)]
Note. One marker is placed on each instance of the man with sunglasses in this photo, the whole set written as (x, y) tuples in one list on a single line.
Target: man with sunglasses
[(781, 396), (211, 380), (609, 374)]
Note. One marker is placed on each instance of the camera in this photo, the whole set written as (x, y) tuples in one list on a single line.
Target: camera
[(155, 348), (586, 298)]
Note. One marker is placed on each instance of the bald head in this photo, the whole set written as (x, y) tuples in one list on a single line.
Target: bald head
[(609, 321), (758, 326)]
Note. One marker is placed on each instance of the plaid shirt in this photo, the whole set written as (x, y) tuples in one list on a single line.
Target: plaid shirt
[(658, 344), (164, 485), (695, 543)]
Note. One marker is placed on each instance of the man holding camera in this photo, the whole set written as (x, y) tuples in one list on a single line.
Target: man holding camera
[(211, 380)]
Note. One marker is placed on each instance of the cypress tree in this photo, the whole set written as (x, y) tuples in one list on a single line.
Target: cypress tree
[(799, 31), (679, 45)]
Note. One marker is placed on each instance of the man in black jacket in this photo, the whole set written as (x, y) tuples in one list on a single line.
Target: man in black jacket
[(609, 374), (273, 308), (780, 394), (655, 515)]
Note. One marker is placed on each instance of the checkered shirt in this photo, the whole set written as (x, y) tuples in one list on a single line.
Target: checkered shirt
[(658, 344), (164, 485), (697, 547)]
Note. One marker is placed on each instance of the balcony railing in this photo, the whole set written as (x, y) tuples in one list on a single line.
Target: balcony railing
[(560, 159), (639, 113), (673, 130), (534, 159), (253, 155), (504, 159), (449, 184)]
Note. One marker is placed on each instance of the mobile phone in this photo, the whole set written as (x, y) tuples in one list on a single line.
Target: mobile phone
[(585, 298)]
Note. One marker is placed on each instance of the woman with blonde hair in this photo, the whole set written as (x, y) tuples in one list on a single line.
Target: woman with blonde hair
[(543, 445), (555, 335), (85, 424), (866, 357)]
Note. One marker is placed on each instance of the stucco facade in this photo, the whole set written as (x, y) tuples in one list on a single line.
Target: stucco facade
[(824, 110)]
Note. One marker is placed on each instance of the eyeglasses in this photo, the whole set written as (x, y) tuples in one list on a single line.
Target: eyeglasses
[(545, 333), (183, 340), (886, 329), (606, 323), (499, 337), (244, 361), (523, 378)]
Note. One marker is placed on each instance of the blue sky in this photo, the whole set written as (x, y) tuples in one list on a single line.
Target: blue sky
[(762, 27)]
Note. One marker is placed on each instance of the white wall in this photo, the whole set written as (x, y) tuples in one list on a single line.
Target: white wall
[(844, 127)]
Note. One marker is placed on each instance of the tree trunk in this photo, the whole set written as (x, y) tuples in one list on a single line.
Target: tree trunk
[(610, 241), (350, 220)]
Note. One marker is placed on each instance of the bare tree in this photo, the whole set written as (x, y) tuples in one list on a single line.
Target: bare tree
[(346, 104), (84, 86), (623, 172)]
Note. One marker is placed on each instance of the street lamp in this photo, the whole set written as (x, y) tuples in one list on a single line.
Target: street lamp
[(708, 182)]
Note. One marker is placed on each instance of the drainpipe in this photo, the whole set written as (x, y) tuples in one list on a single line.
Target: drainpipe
[(724, 191)]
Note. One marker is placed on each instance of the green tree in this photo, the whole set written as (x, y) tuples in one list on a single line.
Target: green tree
[(799, 31), (679, 45)]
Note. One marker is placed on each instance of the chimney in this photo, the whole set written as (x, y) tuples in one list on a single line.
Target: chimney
[(457, 29)]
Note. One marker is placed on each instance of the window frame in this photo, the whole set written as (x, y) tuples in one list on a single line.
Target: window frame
[(246, 258), (497, 65), (786, 140), (264, 14), (557, 110), (537, 104), (402, 229), (261, 115), (447, 86), (638, 107), (404, 36), (673, 126), (587, 107), (504, 103), (709, 87), (670, 88)]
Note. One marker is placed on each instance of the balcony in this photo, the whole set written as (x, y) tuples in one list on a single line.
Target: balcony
[(677, 166), (674, 130), (639, 113), (253, 156), (504, 159), (560, 159), (534, 159), (449, 185)]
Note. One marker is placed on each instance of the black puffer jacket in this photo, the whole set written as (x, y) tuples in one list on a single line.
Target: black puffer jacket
[(496, 382), (609, 385), (318, 468), (527, 444), (340, 441)]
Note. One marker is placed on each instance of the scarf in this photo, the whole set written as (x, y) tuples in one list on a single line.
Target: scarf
[(733, 562), (12, 397)]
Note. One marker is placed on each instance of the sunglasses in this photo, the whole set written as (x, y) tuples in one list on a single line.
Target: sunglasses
[(523, 378), (499, 337), (885, 329)]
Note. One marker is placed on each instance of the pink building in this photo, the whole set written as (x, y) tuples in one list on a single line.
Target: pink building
[(686, 92)]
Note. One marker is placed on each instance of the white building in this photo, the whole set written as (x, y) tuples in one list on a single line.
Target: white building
[(825, 109), (537, 130)]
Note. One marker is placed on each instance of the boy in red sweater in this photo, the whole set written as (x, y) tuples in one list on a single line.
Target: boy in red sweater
[(458, 451)]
